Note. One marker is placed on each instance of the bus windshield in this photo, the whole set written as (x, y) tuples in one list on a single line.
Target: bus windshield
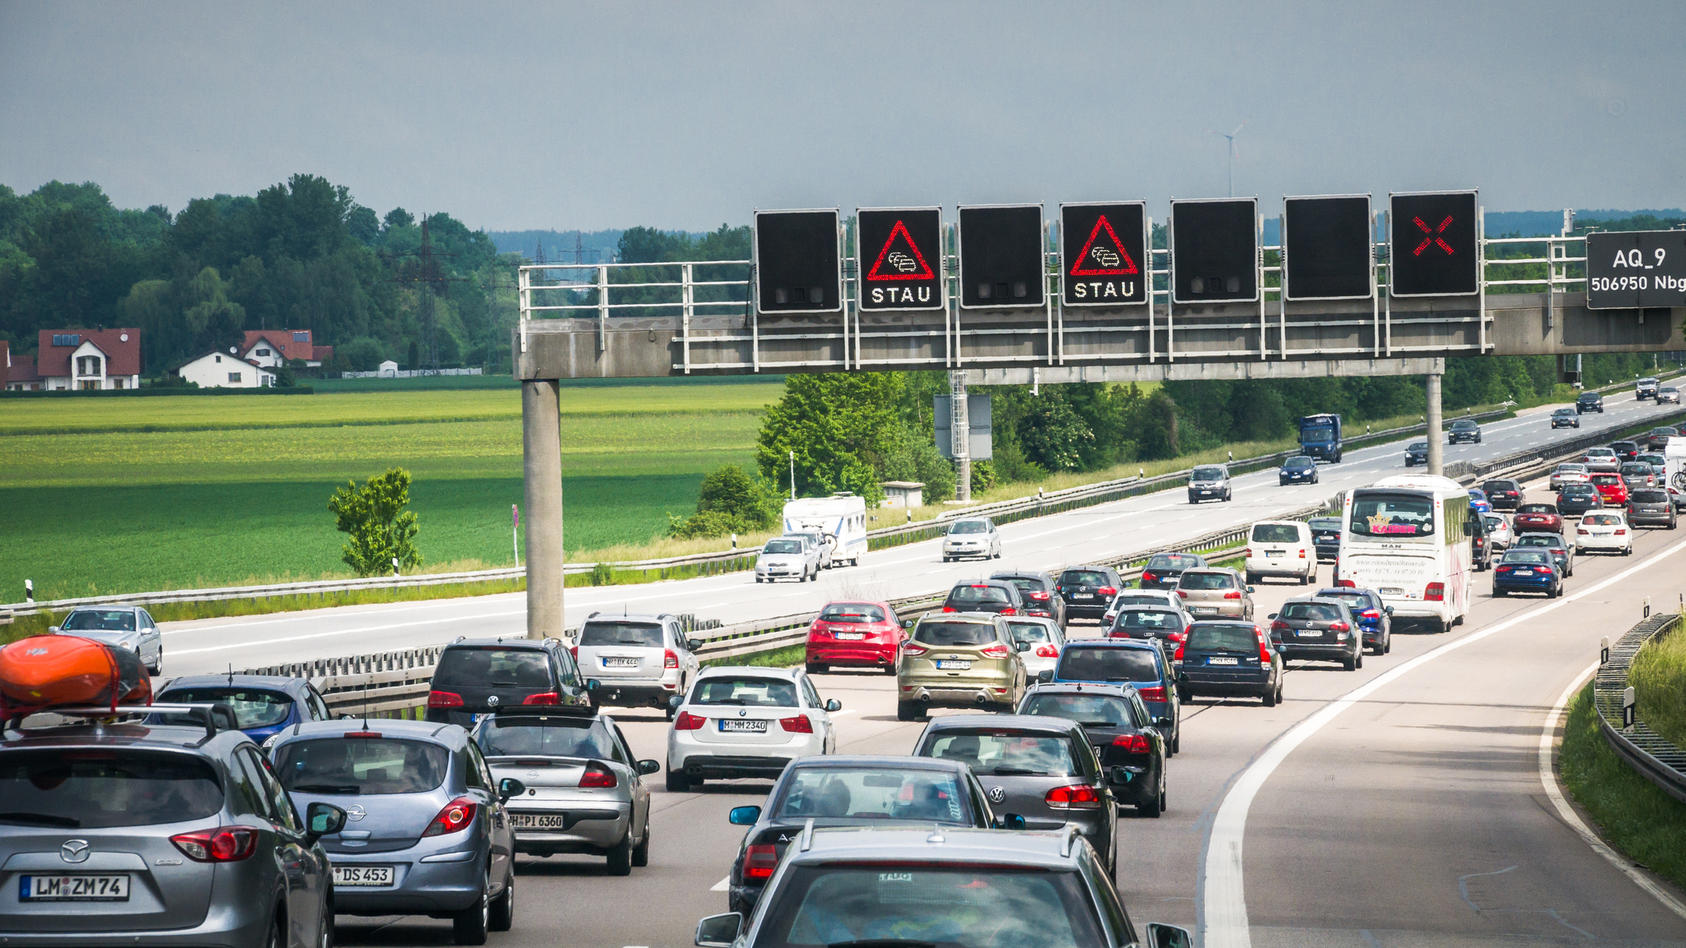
[(1392, 514)]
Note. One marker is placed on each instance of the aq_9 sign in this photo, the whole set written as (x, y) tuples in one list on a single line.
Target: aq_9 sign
[(1640, 269), (1103, 253), (899, 255)]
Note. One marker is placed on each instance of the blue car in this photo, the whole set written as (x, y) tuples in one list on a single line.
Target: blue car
[(1299, 469), (1375, 619), (262, 704), (1141, 662), (1528, 570), (1478, 501)]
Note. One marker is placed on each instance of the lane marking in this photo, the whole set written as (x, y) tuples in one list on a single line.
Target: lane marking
[(722, 885), (1222, 895), (1548, 780)]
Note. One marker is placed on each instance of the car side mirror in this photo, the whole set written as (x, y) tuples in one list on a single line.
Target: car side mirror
[(1249, 589), (1163, 720), (1021, 646), (53, 630), (719, 931), (675, 701), (323, 819), (907, 623), (1271, 616), (510, 787), (692, 645), (1046, 674), (648, 767), (1009, 821), (1168, 936), (832, 704), (1388, 610), (743, 815), (592, 684)]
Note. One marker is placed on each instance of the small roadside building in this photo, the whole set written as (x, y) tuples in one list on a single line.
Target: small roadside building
[(226, 370), (388, 369), (908, 494)]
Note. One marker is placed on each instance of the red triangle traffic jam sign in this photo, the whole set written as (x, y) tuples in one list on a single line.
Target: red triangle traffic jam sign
[(1104, 260), (904, 264)]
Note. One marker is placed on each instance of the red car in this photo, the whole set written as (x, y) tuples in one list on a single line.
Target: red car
[(1612, 488), (854, 635), (1537, 518)]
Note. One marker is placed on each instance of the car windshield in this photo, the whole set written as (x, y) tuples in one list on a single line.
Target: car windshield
[(1299, 460), (782, 546), (1275, 533), (104, 788), (597, 632), (1004, 751), (853, 613), (99, 620), (970, 595), (871, 793), (1032, 633), (1223, 637), (1083, 577), (252, 707), (1526, 557), (1463, 425), (1417, 446), (1200, 579), (745, 690), (940, 632), (478, 668), (366, 766), (1206, 474), (1153, 620), (1386, 513), (513, 737), (1107, 664), (926, 904), (1090, 709), (969, 526), (1564, 411), (1311, 611)]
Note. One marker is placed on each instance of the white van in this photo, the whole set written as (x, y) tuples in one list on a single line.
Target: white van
[(1281, 548), (840, 519), (1674, 471)]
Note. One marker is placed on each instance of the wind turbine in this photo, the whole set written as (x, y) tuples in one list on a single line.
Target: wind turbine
[(1230, 137)]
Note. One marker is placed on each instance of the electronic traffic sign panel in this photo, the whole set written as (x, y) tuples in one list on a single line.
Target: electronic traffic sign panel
[(1326, 248), (1215, 250), (1433, 246), (1636, 269), (1103, 253), (1001, 256), (899, 256), (798, 267)]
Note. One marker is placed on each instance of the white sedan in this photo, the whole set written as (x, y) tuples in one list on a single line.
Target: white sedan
[(1569, 472), (1604, 530), (746, 721), (1499, 533)]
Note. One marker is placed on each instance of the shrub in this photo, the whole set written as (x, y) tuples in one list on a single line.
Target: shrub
[(380, 527)]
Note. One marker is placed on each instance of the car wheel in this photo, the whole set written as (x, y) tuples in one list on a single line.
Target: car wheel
[(1387, 643), (1498, 593), (1184, 694), (1156, 804), (906, 711), (641, 852), (677, 782), (469, 926), (157, 666), (1251, 579), (1177, 741), (502, 918), (814, 668), (1271, 695), (620, 856), (1350, 663), (277, 937)]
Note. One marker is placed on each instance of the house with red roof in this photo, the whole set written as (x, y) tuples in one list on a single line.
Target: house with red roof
[(5, 363), (272, 347), (88, 359), (18, 374)]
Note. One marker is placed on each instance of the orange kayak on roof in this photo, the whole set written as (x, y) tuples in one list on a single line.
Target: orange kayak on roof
[(46, 671)]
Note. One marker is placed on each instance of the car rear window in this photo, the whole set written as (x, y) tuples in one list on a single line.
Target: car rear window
[(365, 766), (104, 788), (1004, 751), (1497, 486), (1275, 533), (745, 690), (1325, 523), (1601, 520), (1537, 508), (1143, 599), (1311, 611), (1578, 490), (516, 738), (1606, 479), (872, 793), (1648, 496), (1356, 601), (1107, 664), (1093, 710), (1084, 577), (1223, 638), (1028, 586), (1199, 580), (482, 667), (648, 634), (1539, 539), (978, 595), (1032, 632), (99, 620), (954, 633), (1526, 557), (252, 707), (1149, 619), (857, 613), (1173, 561)]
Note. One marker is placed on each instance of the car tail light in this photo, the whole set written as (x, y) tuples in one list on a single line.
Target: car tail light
[(913, 648), (1181, 594), (1279, 626), (1582, 531), (543, 697), (372, 735), (1047, 651), (1339, 627), (1435, 592), (1180, 637), (1108, 590), (760, 860), (444, 699), (597, 775), (1370, 614), (1009, 611), (1075, 797), (223, 844), (949, 609), (1346, 584), (994, 651), (1148, 577), (574, 650), (1039, 596), (1505, 569), (1132, 743), (1151, 693), (454, 818), (686, 721), (1233, 594), (1302, 554), (1621, 532), (797, 724), (1179, 656), (1264, 650), (670, 659)]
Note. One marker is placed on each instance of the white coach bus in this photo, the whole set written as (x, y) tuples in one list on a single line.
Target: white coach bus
[(1407, 537)]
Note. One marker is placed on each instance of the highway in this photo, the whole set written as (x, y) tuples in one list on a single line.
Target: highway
[(1134, 524)]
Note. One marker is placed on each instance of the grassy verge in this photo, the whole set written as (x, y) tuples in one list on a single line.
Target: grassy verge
[(1631, 813), (1658, 676)]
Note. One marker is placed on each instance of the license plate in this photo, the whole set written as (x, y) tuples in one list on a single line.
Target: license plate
[(1222, 660), (851, 636), (538, 821), (620, 663), (1082, 595), (1273, 553), (1392, 591), (956, 664), (355, 876), (74, 888), (743, 725), (1524, 572), (1311, 633), (1203, 610)]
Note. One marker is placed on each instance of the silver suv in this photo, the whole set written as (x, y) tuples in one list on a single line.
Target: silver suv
[(156, 834), (636, 659)]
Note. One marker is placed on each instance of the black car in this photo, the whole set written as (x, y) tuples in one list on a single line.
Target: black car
[(1374, 617), (1040, 596), (1298, 469), (1161, 624), (1625, 450), (1087, 590), (1464, 431), (1126, 738), (1226, 657), (837, 790), (1480, 549), (1416, 453), (1589, 401), (1566, 418), (1142, 664), (1163, 569), (1503, 493), (1576, 499), (1320, 629), (1326, 534), (996, 596), (479, 676)]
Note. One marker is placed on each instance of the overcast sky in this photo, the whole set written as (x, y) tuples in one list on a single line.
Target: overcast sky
[(688, 115)]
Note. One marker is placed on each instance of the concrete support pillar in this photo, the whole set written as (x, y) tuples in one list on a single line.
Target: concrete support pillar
[(961, 434), (1436, 437), (541, 437)]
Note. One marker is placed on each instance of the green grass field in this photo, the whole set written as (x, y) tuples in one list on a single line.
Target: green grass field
[(115, 495)]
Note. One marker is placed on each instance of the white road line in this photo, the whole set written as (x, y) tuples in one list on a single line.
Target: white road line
[(722, 885), (1548, 779), (1223, 898)]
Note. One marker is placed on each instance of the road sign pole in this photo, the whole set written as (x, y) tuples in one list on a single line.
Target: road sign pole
[(960, 435), (1436, 449), (541, 437)]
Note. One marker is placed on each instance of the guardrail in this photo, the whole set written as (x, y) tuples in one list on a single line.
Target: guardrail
[(1655, 757)]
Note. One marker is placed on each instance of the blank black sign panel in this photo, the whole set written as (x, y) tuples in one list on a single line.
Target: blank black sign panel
[(1326, 245), (1215, 251), (900, 258), (1432, 248), (798, 268), (1001, 257)]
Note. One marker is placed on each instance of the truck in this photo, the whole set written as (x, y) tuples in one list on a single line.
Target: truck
[(1674, 471), (1320, 437), (840, 519)]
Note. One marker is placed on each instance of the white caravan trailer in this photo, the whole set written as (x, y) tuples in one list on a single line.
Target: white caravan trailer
[(840, 518)]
